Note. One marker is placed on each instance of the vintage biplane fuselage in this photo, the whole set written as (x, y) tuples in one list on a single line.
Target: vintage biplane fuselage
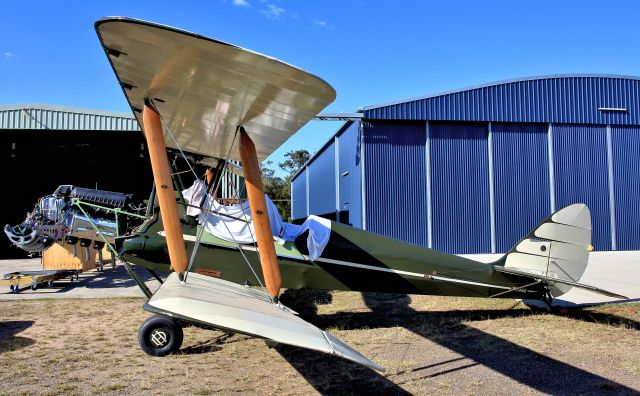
[(354, 259)]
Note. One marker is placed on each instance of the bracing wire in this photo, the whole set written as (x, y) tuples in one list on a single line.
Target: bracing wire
[(201, 229), (208, 210)]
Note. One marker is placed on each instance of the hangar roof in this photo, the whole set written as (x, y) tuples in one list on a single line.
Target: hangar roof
[(567, 98), (575, 98), (47, 117)]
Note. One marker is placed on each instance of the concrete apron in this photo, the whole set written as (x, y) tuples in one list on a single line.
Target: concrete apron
[(91, 284), (618, 272)]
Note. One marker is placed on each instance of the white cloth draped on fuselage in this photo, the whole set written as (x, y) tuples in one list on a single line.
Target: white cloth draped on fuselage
[(226, 221)]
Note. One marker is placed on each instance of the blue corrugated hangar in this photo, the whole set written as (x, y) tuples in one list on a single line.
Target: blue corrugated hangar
[(474, 170)]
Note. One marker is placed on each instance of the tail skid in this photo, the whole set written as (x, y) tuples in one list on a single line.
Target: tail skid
[(552, 281)]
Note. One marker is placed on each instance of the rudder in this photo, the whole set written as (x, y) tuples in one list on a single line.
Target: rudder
[(557, 248)]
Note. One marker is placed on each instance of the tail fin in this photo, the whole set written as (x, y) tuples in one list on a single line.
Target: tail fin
[(558, 248)]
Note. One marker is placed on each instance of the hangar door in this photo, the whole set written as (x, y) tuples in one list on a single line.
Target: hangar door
[(521, 180), (625, 142), (395, 176), (581, 175), (459, 187), (299, 196), (36, 162), (350, 181), (322, 183)]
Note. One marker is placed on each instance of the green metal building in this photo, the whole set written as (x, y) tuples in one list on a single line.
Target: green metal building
[(45, 146)]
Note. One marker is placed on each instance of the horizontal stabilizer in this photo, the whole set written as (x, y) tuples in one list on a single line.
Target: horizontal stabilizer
[(551, 281), (231, 307)]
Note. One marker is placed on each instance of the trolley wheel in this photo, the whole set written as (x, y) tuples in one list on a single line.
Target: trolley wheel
[(50, 283), (34, 286), (160, 336)]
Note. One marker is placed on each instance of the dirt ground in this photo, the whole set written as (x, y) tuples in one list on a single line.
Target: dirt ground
[(429, 345)]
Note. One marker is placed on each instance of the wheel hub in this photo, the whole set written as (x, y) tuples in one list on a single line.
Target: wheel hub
[(159, 338)]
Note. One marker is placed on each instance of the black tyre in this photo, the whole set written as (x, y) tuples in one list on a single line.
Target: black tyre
[(160, 336)]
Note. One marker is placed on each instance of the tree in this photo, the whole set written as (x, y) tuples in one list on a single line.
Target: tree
[(278, 188), (294, 162)]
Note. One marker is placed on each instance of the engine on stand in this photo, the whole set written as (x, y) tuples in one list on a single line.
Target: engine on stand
[(79, 217)]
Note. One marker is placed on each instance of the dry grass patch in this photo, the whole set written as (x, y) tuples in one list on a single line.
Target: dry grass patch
[(428, 345)]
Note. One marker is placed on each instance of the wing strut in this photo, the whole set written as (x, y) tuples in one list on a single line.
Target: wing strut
[(152, 127), (260, 214)]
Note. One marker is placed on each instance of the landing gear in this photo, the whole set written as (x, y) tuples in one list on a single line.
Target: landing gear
[(160, 336), (547, 298), (542, 302)]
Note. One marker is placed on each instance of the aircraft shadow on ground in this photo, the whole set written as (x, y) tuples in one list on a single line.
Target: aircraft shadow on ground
[(329, 374), (8, 339), (213, 345), (446, 328)]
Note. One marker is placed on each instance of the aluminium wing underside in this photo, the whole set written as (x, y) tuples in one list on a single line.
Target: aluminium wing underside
[(240, 309)]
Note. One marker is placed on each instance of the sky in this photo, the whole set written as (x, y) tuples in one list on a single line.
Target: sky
[(371, 52)]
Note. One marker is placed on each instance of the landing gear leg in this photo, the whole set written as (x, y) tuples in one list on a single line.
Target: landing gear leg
[(548, 299)]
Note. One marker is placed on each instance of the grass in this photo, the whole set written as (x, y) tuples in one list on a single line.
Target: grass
[(427, 344)]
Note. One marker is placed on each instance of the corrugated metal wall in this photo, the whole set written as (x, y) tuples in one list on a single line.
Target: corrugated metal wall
[(394, 180), (543, 99), (322, 196), (521, 180), (595, 160), (51, 117), (459, 187), (349, 174), (626, 175), (299, 196), (581, 175)]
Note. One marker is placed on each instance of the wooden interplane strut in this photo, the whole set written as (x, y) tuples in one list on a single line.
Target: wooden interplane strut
[(164, 188), (260, 214)]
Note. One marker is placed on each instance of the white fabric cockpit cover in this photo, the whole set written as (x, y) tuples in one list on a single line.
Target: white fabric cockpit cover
[(224, 221)]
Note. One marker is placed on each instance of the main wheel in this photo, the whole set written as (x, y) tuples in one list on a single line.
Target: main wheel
[(160, 336)]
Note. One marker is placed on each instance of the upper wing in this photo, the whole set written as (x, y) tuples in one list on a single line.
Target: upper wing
[(204, 89)]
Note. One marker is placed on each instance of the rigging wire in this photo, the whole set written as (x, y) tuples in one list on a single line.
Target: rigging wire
[(207, 211), (201, 230)]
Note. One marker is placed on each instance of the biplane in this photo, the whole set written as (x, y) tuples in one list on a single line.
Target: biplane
[(215, 103)]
